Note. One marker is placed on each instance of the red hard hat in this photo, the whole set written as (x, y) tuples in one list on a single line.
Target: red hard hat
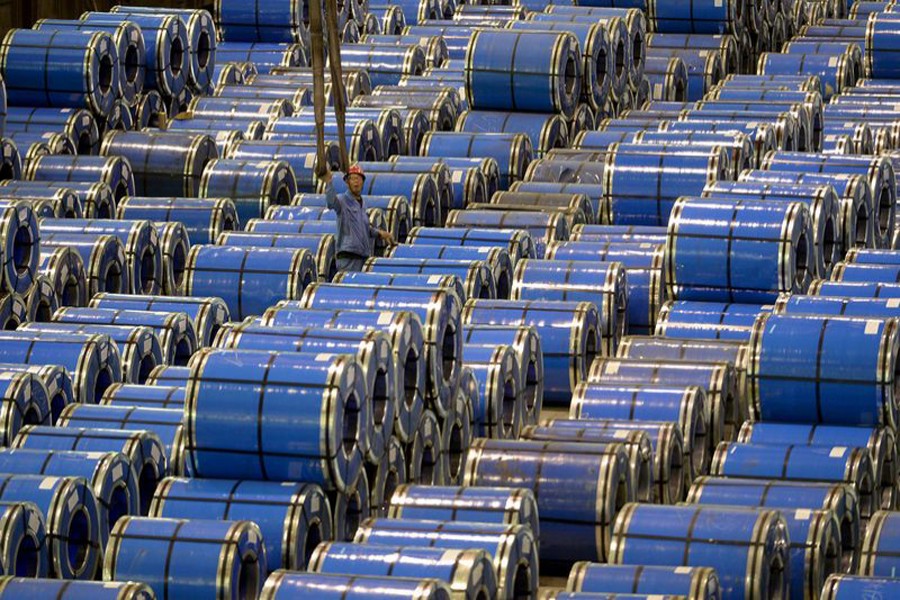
[(355, 170)]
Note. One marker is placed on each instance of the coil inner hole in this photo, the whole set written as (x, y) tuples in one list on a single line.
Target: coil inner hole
[(147, 481), (85, 146), (848, 543), (448, 353), (600, 71), (832, 557), (248, 577), (176, 57), (676, 477), (411, 377), (380, 397), (862, 225), (637, 50), (698, 450), (147, 364), (103, 381), (132, 66), (105, 74), (104, 209), (590, 348), (776, 579), (619, 56), (644, 477), (184, 349), (503, 285), (204, 50), (455, 449), (429, 217), (885, 203), (428, 463), (531, 385), (332, 270), (71, 287), (283, 196), (800, 261), (392, 148), (23, 248), (484, 291), (828, 242), (313, 539), (571, 72), (178, 261), (369, 153), (119, 499), (78, 540), (27, 557), (352, 515), (57, 403), (678, 91), (147, 274), (32, 416), (121, 189), (508, 407), (866, 497), (350, 424)]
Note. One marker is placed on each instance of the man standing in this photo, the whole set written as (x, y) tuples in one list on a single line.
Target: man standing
[(355, 235)]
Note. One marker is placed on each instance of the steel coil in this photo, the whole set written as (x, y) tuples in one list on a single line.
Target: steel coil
[(788, 462), (619, 233), (14, 310), (511, 151), (168, 48), (476, 276), (292, 518), (458, 429), (113, 171), (841, 587), (253, 187), (67, 69), (266, 56), (26, 587), (286, 584), (397, 211), (696, 583), (203, 218), (322, 246), (138, 238), (24, 550), (155, 551), (336, 390), (35, 144), (372, 350), (349, 508), (78, 125), (865, 273), (439, 313), (515, 556), (601, 211), (543, 227), (449, 283), (708, 320), (150, 111), (546, 131), (361, 135), (25, 401), (76, 199), (72, 525), (174, 245), (109, 474), (438, 171), (790, 497), (254, 278), (143, 449), (703, 69), (754, 563), (281, 22), (499, 410), (405, 330), (518, 243), (301, 158), (421, 188), (144, 396), (469, 573), (837, 305), (426, 458), (829, 384), (56, 381), (384, 477), (821, 287), (768, 242), (497, 259), (579, 520)]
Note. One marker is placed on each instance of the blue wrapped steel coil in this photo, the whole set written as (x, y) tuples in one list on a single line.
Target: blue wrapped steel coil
[(282, 585), (845, 587), (697, 583), (28, 588), (144, 396)]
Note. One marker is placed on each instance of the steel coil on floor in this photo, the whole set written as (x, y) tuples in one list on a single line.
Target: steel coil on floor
[(335, 388), (475, 275), (138, 347), (511, 151), (227, 558), (439, 313), (144, 396), (513, 547), (349, 507), (166, 424), (322, 247), (56, 380), (518, 243), (865, 273), (576, 524), (753, 564), (14, 310), (708, 320), (150, 110), (26, 587), (384, 477), (372, 350), (300, 157), (109, 475), (499, 411), (450, 283), (293, 519), (204, 218), (20, 249), (831, 385), (569, 333), (443, 178), (289, 584), (168, 48), (66, 69), (251, 186), (858, 289), (771, 244), (143, 448), (164, 163), (252, 278), (684, 405), (542, 227), (40, 303), (72, 524), (468, 573), (78, 125), (175, 330), (405, 330), (546, 131), (167, 375), (45, 203), (426, 458), (174, 245), (24, 550), (92, 200), (844, 587), (139, 240), (113, 171), (836, 305), (24, 402), (879, 548), (497, 259), (696, 583)]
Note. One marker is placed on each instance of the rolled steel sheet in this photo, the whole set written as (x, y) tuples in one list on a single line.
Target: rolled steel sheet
[(335, 388), (35, 144), (476, 276), (790, 497), (300, 158), (225, 131), (61, 69), (138, 347), (372, 350), (254, 278), (457, 429), (293, 518), (405, 330), (704, 68), (495, 505), (119, 118), (168, 48), (577, 207), (426, 458), (513, 547), (145, 396), (697, 583), (834, 370), (281, 22), (160, 157), (264, 55), (139, 239), (569, 333), (619, 233), (821, 287), (114, 171), (439, 313), (636, 444), (109, 475), (166, 424), (91, 200), (397, 211), (771, 244), (287, 584), (25, 401), (349, 508), (753, 564), (511, 151), (322, 246), (143, 449), (879, 441), (872, 256), (56, 380), (543, 227), (20, 250), (844, 587), (78, 125), (14, 310), (644, 276), (24, 550), (390, 123), (175, 330), (208, 314), (741, 151), (174, 245), (518, 243), (184, 556), (450, 283), (440, 173), (26, 587), (546, 131), (469, 573), (865, 272), (296, 98), (362, 136), (583, 515), (253, 187), (384, 477), (598, 206), (150, 111), (708, 320), (499, 410), (847, 306), (213, 108), (788, 462), (385, 63)]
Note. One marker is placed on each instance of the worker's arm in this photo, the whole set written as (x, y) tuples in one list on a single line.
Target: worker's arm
[(331, 197), (385, 236)]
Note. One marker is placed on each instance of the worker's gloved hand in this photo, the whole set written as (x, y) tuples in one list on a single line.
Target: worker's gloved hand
[(326, 176), (387, 238)]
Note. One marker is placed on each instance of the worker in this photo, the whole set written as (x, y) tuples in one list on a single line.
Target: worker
[(355, 236)]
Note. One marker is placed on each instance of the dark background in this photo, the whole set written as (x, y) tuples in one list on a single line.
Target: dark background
[(23, 13)]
